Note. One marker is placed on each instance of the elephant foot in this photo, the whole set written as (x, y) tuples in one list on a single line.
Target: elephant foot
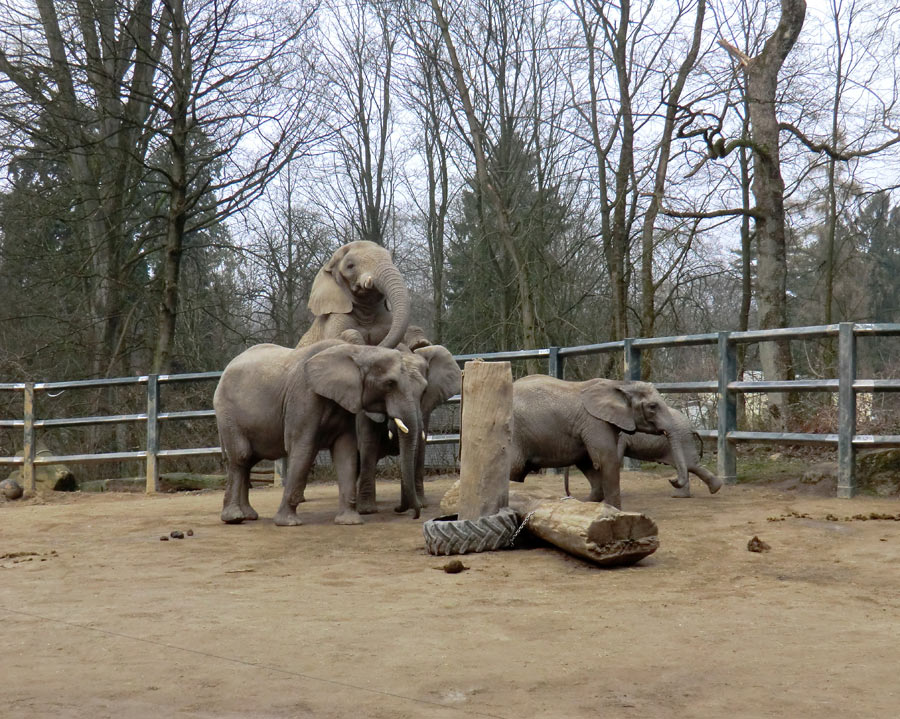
[(366, 507), (348, 516), (682, 492), (233, 515), (287, 518), (715, 485), (250, 514)]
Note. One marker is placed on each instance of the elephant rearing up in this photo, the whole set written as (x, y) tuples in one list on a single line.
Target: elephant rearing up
[(359, 296)]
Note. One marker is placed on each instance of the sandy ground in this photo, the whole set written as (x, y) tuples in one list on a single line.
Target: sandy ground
[(102, 619)]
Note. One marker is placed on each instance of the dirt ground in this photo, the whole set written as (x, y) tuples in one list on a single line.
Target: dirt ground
[(102, 619)]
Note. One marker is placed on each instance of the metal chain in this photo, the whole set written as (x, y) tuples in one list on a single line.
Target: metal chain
[(529, 516), (521, 526)]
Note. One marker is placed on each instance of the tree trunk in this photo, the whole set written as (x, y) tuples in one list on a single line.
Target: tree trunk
[(176, 219), (761, 73), (528, 313), (648, 283)]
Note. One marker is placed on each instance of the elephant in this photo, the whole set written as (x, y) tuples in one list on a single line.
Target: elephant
[(378, 436), (274, 402), (360, 296), (557, 423), (681, 448)]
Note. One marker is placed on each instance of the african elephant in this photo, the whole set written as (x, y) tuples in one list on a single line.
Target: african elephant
[(274, 401), (681, 448), (360, 296), (378, 436), (558, 423)]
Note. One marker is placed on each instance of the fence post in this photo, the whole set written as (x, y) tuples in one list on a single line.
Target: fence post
[(152, 433), (555, 363), (29, 481), (846, 485), (631, 371), (726, 462)]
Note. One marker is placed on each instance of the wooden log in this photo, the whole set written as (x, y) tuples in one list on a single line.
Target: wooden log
[(486, 433), (594, 531)]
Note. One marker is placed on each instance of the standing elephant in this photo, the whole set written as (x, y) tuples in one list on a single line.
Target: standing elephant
[(681, 448), (360, 296), (274, 402), (378, 436), (558, 423)]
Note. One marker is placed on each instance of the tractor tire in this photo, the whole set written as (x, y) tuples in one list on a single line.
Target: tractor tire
[(449, 535)]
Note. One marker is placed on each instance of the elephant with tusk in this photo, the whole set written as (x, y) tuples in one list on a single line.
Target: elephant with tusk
[(377, 438), (274, 402)]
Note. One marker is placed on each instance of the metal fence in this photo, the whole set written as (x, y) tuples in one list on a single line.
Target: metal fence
[(726, 387)]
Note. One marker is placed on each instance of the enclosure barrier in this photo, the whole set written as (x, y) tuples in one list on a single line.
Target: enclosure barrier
[(726, 387)]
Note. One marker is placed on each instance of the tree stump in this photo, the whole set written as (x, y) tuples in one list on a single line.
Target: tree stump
[(485, 436), (594, 531)]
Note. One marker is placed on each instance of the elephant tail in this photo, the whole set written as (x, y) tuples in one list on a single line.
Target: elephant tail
[(699, 440)]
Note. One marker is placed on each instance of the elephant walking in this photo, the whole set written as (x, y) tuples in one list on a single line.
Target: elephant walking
[(689, 446), (558, 423)]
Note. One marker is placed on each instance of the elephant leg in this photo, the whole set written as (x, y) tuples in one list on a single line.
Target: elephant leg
[(244, 500), (603, 453), (594, 478), (300, 461), (236, 505), (713, 482), (682, 492), (420, 468), (368, 437), (344, 457)]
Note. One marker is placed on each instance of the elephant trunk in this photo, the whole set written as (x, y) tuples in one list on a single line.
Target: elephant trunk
[(390, 283), (409, 441), (679, 460)]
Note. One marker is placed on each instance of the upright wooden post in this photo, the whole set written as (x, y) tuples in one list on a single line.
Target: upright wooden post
[(486, 434)]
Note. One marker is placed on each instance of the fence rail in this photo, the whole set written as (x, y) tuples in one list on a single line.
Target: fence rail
[(726, 386)]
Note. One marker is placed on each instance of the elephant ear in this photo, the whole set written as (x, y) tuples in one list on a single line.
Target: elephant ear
[(444, 376), (327, 295), (606, 401), (335, 374)]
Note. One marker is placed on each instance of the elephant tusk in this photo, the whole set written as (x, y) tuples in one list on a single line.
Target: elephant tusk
[(402, 427), (424, 438), (390, 434), (369, 283)]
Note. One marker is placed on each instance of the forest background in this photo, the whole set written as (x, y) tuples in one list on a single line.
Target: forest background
[(544, 173)]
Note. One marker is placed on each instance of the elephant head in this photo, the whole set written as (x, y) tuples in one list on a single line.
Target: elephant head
[(359, 276), (379, 438), (638, 407), (378, 380)]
